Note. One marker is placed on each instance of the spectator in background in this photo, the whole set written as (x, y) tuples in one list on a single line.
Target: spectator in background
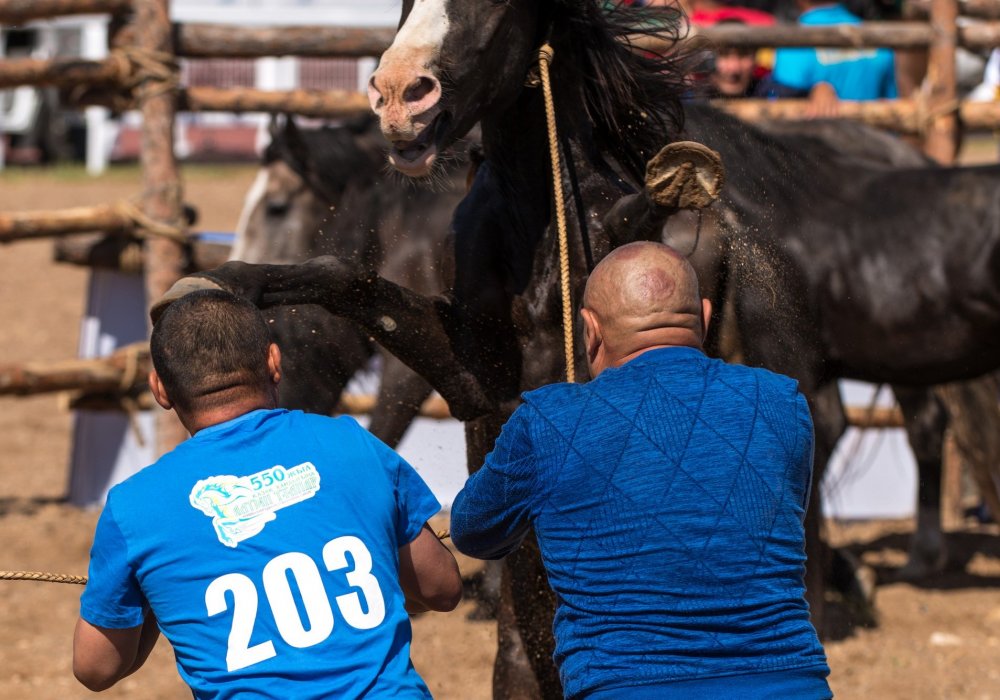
[(733, 71), (829, 75)]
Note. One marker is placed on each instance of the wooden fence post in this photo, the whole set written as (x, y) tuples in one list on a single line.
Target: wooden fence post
[(940, 89), (165, 259)]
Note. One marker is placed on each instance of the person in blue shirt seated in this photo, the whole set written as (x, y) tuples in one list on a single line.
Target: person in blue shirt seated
[(827, 75), (667, 496), (277, 551)]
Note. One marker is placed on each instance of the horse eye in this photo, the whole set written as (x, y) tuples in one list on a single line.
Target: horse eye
[(276, 207)]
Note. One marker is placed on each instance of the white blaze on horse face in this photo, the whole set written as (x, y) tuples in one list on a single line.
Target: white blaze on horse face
[(255, 195), (405, 89), (426, 27)]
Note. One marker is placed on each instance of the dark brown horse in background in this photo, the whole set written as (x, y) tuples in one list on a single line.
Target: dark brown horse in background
[(839, 267)]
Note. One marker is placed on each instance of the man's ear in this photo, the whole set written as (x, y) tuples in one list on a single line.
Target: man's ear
[(159, 392), (274, 362), (592, 336), (706, 318)]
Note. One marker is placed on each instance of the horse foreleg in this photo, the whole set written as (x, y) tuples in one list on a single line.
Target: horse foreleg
[(414, 328), (400, 396), (925, 420)]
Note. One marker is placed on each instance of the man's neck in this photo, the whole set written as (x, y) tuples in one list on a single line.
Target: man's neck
[(632, 355), (199, 419)]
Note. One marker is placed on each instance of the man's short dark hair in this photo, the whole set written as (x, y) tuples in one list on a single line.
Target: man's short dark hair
[(209, 345)]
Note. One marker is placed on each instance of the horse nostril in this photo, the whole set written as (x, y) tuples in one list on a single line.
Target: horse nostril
[(419, 89), (374, 94)]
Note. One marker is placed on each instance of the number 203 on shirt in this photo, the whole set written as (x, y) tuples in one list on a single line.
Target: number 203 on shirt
[(363, 608)]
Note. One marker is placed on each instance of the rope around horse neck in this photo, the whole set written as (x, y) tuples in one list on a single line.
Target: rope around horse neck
[(545, 54)]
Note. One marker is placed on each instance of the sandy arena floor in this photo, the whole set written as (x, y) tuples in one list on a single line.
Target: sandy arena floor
[(938, 639)]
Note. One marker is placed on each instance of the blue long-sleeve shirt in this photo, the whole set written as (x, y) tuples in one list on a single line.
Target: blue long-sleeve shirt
[(668, 498)]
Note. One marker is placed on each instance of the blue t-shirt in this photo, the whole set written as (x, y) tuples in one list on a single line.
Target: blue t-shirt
[(267, 547), (856, 74), (668, 498)]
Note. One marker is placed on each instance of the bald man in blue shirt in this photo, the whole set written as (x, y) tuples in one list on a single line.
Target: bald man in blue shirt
[(667, 496)]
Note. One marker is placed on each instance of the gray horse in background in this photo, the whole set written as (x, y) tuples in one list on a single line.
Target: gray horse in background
[(326, 191)]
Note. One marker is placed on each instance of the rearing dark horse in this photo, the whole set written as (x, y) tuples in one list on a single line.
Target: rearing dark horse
[(454, 63)]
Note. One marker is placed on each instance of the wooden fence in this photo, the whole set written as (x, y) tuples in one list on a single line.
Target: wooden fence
[(141, 72)]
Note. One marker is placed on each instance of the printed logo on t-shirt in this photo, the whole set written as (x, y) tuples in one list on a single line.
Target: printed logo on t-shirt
[(240, 506), (834, 57)]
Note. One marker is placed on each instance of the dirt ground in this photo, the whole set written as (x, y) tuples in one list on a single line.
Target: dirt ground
[(938, 639)]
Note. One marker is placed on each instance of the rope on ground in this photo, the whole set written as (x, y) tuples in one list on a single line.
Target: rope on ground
[(545, 55)]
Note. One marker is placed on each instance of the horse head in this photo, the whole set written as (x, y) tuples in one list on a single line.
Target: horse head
[(451, 60), (301, 185), (456, 62)]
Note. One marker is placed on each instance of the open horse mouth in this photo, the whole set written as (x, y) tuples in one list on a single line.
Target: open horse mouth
[(416, 158)]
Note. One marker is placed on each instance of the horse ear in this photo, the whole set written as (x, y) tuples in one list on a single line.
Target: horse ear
[(276, 125), (291, 130)]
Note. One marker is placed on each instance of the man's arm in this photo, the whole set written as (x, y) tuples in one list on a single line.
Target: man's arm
[(428, 574), (491, 515), (103, 656)]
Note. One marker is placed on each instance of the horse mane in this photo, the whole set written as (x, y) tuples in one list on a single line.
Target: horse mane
[(631, 98)]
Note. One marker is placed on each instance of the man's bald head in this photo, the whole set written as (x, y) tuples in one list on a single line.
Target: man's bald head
[(640, 297)]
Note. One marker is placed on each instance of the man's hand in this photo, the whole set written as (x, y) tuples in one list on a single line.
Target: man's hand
[(823, 102), (428, 574)]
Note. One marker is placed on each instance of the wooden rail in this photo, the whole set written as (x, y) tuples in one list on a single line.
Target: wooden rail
[(126, 370), (14, 12), (227, 41), (329, 104), (22, 225)]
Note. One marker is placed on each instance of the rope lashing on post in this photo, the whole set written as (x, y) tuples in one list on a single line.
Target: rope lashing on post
[(144, 226), (82, 580), (545, 54), (151, 72), (927, 115), (142, 75)]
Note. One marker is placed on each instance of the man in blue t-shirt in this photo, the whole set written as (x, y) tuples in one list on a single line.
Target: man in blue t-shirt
[(667, 496), (828, 74), (277, 551)]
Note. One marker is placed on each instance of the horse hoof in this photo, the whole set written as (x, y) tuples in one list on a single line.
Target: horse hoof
[(684, 175), (920, 567), (181, 287)]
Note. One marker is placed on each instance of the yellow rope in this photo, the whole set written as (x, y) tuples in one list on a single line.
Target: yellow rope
[(82, 580), (544, 58), (40, 576)]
